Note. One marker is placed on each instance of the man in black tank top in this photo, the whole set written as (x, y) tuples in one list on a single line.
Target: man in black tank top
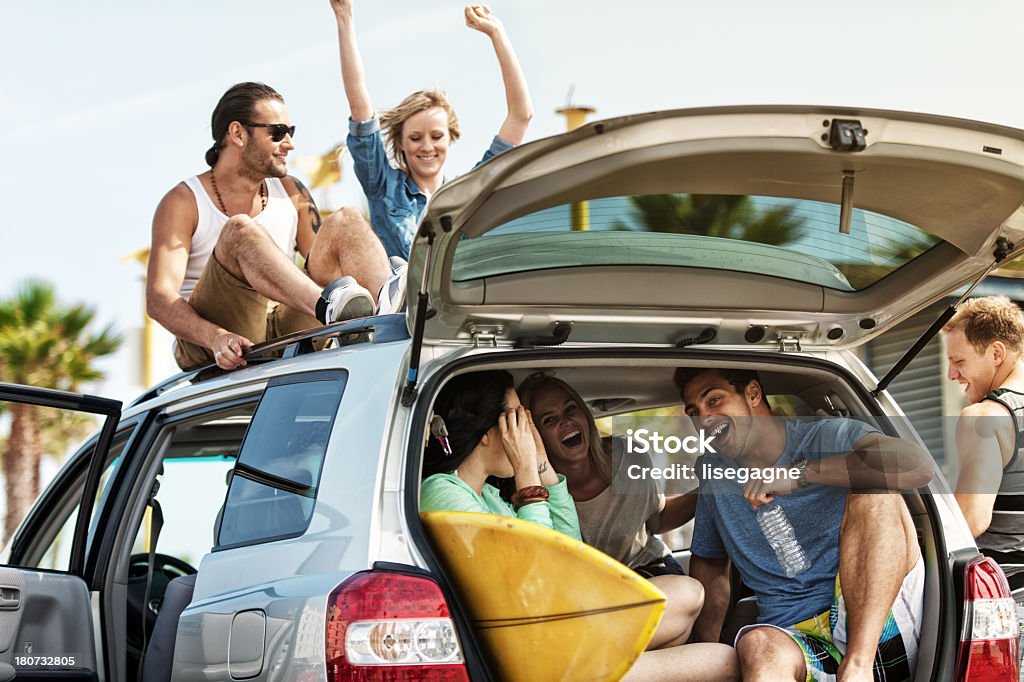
[(984, 344)]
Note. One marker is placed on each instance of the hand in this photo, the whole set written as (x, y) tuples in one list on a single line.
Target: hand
[(342, 7), (479, 18), (228, 349), (516, 431), (760, 491)]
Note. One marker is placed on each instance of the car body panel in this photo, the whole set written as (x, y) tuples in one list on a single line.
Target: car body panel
[(289, 580)]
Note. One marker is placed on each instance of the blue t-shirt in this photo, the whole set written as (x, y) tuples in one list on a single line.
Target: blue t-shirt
[(396, 202), (726, 525)]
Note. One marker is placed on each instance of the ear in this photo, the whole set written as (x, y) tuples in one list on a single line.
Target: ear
[(998, 349), (237, 134), (486, 440), (754, 393)]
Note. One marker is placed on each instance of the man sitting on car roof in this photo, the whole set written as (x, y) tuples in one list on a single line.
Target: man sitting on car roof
[(222, 275), (857, 609)]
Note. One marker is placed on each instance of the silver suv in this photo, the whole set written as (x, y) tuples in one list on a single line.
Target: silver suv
[(275, 506)]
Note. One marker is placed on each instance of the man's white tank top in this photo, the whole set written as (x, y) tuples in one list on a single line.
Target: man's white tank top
[(279, 219)]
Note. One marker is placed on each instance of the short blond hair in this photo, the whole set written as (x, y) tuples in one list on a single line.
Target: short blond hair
[(989, 319), (393, 120)]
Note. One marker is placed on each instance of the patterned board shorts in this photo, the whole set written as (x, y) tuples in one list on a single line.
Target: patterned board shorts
[(823, 637)]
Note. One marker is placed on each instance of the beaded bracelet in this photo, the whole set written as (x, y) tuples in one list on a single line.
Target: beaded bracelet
[(529, 495)]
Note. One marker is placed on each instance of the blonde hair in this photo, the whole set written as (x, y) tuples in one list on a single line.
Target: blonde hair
[(393, 120), (599, 459), (989, 319)]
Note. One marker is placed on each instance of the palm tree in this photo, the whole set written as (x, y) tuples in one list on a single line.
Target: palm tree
[(46, 345), (716, 215)]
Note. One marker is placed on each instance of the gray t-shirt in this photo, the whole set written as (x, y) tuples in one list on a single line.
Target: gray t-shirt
[(727, 525), (616, 520)]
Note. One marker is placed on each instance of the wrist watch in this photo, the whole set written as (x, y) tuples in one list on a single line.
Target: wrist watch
[(801, 464)]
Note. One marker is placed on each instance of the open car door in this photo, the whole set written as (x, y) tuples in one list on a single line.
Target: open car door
[(47, 628)]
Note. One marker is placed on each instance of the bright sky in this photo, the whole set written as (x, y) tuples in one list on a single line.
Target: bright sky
[(105, 105)]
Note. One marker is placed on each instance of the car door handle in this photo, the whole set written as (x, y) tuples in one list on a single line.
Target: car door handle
[(10, 598)]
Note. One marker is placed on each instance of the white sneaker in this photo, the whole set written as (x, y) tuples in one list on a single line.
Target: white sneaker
[(391, 298), (343, 299)]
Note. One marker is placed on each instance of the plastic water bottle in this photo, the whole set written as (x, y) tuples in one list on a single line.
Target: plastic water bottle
[(780, 535)]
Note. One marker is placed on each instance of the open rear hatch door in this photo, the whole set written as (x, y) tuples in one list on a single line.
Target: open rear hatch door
[(823, 225)]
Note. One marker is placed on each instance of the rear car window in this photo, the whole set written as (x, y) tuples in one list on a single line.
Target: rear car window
[(274, 483), (788, 238)]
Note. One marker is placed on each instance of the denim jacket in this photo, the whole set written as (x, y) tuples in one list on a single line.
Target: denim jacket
[(396, 203)]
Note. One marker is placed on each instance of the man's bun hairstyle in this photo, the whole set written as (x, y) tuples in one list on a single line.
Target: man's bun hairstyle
[(237, 104)]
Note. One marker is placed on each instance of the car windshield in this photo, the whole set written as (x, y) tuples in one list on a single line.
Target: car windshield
[(788, 238)]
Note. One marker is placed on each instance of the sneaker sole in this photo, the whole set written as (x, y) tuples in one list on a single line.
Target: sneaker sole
[(360, 306)]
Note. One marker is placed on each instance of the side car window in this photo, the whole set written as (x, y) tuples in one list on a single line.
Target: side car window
[(199, 453), (275, 481), (52, 548)]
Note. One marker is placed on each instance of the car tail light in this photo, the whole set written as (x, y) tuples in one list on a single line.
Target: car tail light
[(988, 647), (391, 626)]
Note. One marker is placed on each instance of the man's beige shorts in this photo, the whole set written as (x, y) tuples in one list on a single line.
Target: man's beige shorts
[(232, 304)]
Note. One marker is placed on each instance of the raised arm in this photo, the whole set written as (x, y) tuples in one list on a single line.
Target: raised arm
[(173, 226), (352, 75), (517, 96)]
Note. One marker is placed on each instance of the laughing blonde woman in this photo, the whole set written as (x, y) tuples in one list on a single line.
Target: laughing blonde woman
[(419, 132)]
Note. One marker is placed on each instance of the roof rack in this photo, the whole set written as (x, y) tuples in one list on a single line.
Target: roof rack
[(385, 328)]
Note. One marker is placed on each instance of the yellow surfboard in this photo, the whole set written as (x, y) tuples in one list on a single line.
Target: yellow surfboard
[(545, 606)]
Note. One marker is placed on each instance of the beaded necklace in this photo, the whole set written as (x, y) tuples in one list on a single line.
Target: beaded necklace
[(220, 201)]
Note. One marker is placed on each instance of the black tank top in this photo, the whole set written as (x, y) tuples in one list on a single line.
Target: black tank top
[(1004, 539)]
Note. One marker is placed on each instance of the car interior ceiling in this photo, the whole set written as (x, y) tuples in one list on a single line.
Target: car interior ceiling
[(619, 386)]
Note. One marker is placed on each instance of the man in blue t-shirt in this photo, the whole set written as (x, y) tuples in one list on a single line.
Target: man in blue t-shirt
[(855, 613)]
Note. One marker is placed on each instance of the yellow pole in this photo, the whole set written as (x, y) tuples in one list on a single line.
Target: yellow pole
[(575, 116), (146, 365), (146, 342), (147, 347)]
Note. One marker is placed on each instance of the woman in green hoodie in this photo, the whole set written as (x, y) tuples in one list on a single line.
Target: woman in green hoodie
[(480, 431)]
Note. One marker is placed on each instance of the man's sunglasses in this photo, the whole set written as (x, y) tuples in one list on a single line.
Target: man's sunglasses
[(277, 130)]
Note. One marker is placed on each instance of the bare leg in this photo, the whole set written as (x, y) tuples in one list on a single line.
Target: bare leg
[(347, 245), (684, 599), (769, 655), (877, 549), (250, 255), (696, 662)]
